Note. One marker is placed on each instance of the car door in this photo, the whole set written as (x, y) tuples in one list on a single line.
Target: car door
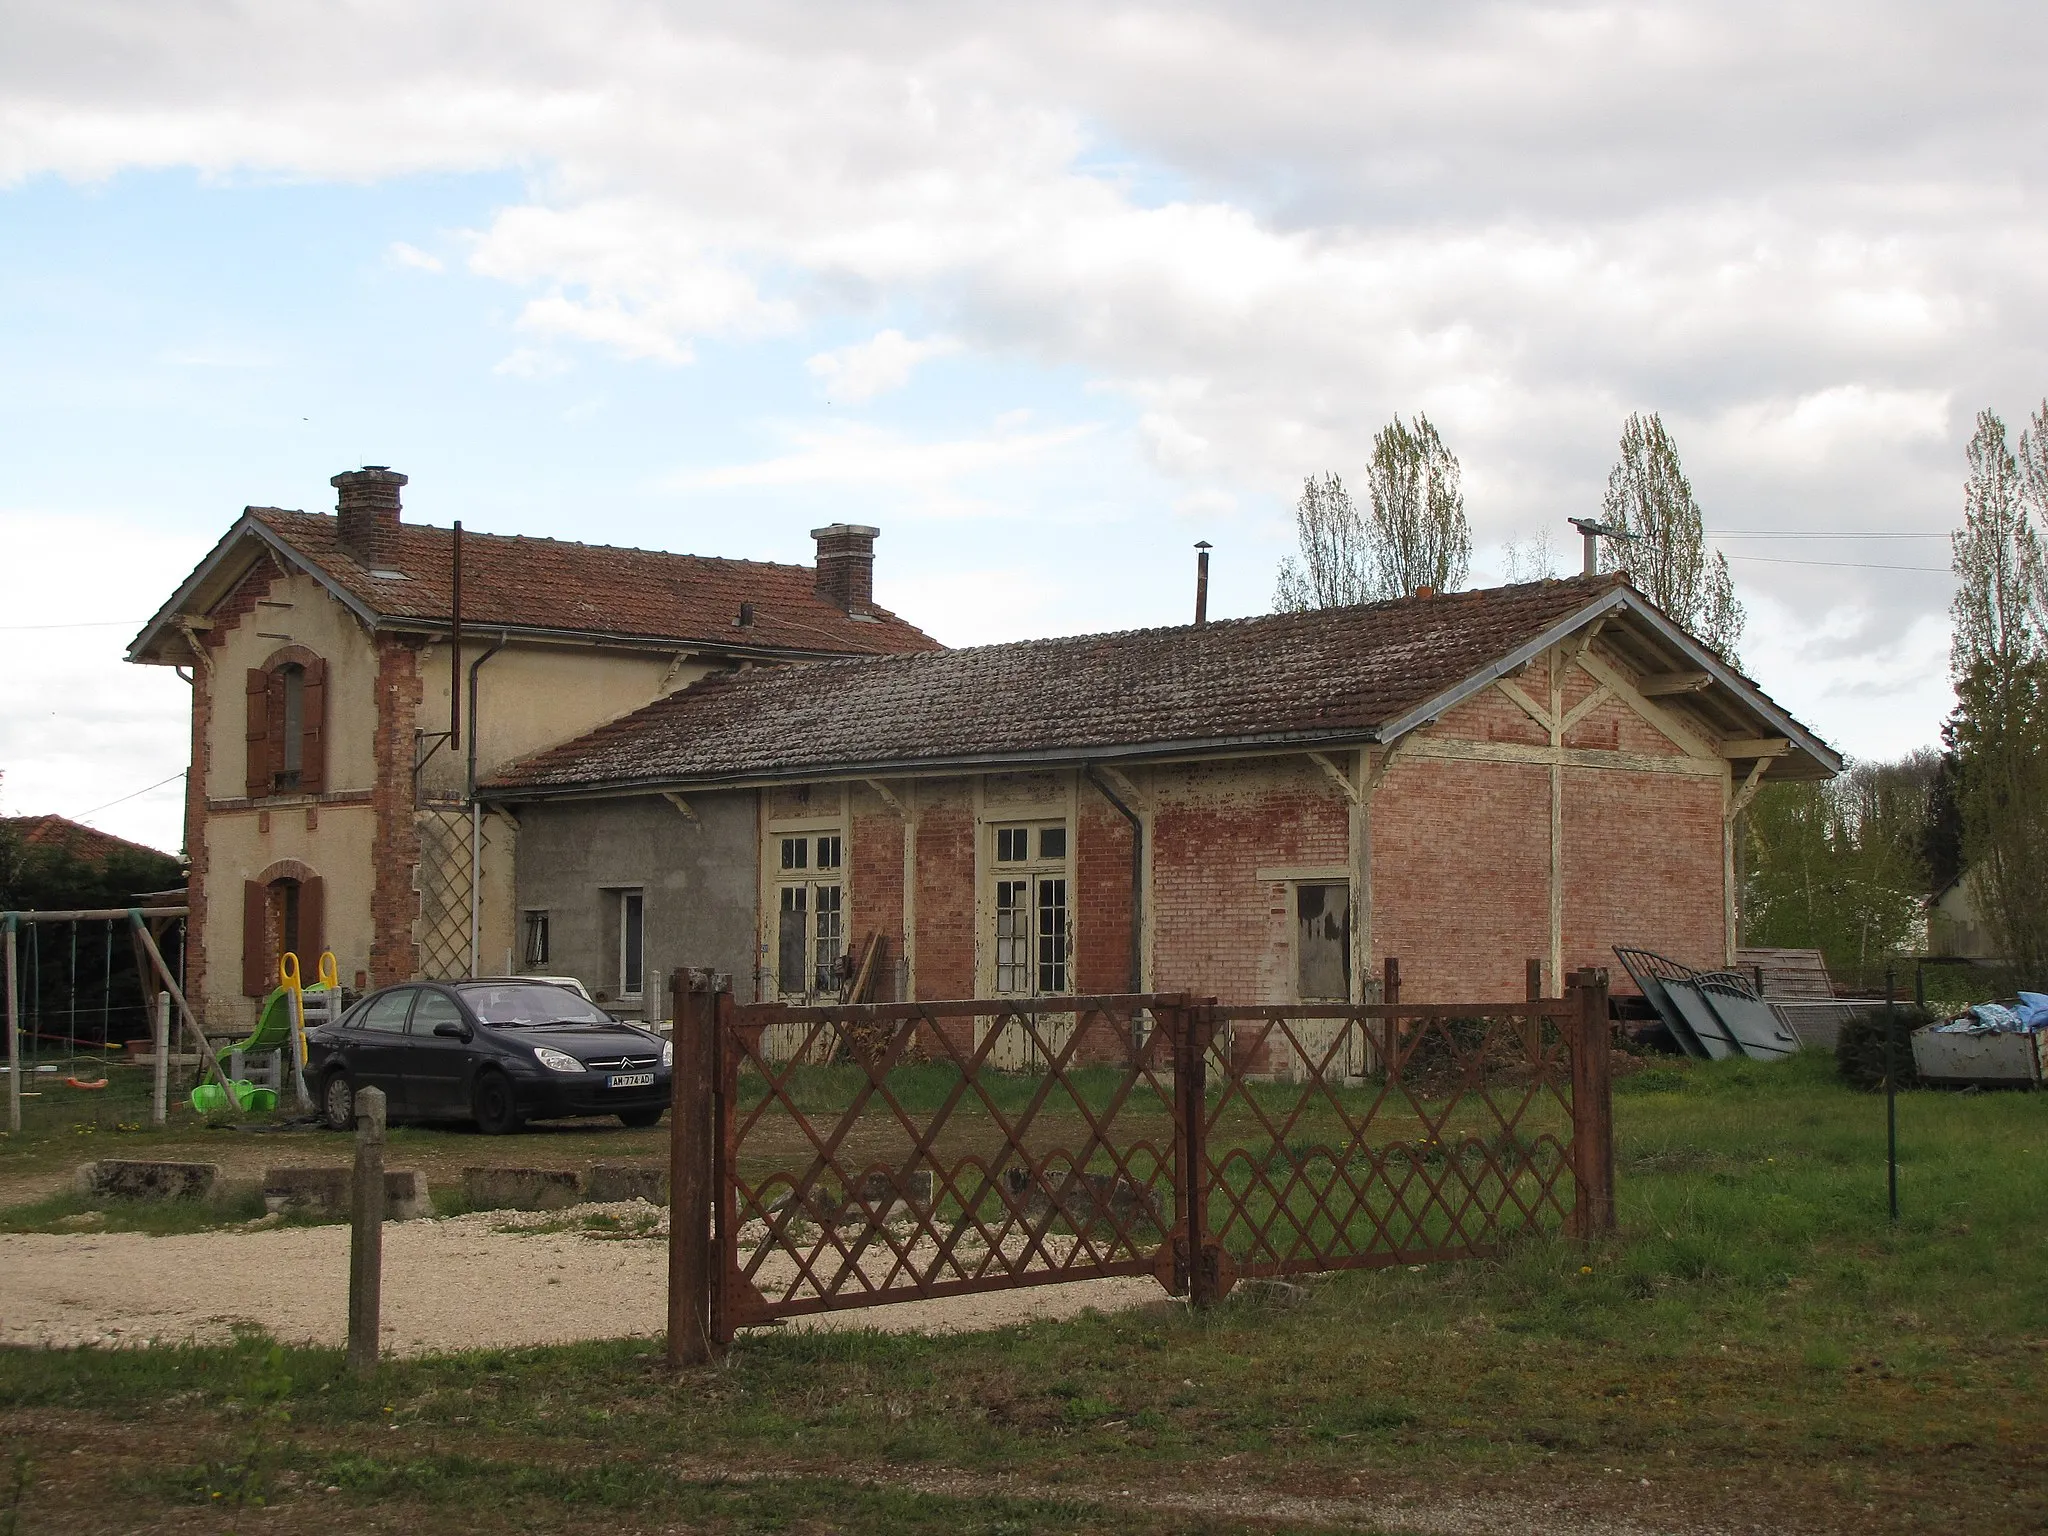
[(437, 1067), (376, 1051)]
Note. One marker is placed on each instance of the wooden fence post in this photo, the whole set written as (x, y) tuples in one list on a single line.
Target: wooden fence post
[(160, 1038), (366, 1238), (690, 1168), (13, 1036), (1535, 978), (1592, 1106), (1192, 1031)]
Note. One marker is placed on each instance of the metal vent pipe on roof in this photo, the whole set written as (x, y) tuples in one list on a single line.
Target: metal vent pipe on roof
[(1202, 582)]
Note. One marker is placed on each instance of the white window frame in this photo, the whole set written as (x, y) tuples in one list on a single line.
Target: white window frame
[(817, 870), (631, 898), (1034, 872)]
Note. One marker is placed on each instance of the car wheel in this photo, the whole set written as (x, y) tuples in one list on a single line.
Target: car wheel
[(338, 1103), (638, 1119), (493, 1104)]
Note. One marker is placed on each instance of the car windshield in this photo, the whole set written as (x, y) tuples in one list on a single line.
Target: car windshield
[(511, 1004)]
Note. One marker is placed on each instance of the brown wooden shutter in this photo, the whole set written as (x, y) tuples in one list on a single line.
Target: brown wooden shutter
[(312, 927), (273, 755), (257, 960), (313, 730), (256, 781)]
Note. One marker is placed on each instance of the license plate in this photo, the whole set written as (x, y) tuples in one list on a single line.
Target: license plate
[(632, 1080)]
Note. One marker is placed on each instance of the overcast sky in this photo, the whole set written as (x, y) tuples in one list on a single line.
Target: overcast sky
[(1047, 292)]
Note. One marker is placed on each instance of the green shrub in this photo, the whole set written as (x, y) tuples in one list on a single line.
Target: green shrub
[(1860, 1048)]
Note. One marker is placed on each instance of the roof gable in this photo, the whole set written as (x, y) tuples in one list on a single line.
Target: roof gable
[(1337, 675)]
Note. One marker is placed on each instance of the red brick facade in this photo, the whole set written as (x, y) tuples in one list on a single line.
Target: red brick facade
[(394, 899)]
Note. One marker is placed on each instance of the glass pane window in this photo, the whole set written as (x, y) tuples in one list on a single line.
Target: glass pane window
[(825, 938), (828, 852), (1013, 937), (1322, 942), (791, 935), (535, 947), (434, 1008), (796, 852), (632, 935), (293, 677), (1052, 936), (1052, 842), (386, 1015), (1013, 845)]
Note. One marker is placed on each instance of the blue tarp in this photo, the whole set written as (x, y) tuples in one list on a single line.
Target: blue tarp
[(2029, 1017)]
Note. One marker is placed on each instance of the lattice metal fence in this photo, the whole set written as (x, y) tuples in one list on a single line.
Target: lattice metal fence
[(443, 882), (881, 1154)]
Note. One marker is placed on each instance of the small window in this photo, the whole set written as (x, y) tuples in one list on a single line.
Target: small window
[(795, 852), (1052, 842), (790, 934), (293, 678), (632, 938), (1013, 845), (386, 1015), (825, 939), (535, 947), (828, 852), (1323, 943), (434, 1008)]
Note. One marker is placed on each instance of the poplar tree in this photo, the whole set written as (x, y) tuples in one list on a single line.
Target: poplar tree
[(1998, 660), (1649, 496), (1331, 566), (1419, 534), (1416, 534)]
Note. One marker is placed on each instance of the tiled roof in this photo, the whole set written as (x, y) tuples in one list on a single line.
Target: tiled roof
[(89, 844), (1283, 677), (593, 588)]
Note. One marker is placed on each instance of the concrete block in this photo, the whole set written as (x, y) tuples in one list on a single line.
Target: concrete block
[(520, 1189), (330, 1192), (607, 1183), (116, 1179)]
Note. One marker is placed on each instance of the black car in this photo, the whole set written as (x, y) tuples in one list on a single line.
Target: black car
[(496, 1052)]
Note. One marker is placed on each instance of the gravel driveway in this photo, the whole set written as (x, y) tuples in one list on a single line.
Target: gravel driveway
[(483, 1281)]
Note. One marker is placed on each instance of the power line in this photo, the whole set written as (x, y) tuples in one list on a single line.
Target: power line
[(1779, 533), (96, 624), (159, 784), (1846, 565)]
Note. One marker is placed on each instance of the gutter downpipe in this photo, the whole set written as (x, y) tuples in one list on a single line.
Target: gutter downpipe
[(476, 820), (1137, 875)]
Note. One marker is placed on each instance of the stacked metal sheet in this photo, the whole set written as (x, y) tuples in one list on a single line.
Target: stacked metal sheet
[(1714, 1015)]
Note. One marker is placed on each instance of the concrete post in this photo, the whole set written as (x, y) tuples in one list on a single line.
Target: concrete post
[(366, 1239), (13, 1036)]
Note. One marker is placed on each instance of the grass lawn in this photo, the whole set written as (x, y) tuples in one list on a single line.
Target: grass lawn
[(1759, 1349)]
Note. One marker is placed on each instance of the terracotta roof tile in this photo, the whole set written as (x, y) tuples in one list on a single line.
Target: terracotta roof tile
[(1279, 677), (89, 844), (551, 584)]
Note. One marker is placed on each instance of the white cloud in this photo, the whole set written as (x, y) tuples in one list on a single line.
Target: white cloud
[(401, 254), (855, 454), (532, 363), (884, 362), (1808, 237)]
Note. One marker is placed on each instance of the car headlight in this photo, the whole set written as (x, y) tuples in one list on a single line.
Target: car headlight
[(668, 1053), (556, 1061)]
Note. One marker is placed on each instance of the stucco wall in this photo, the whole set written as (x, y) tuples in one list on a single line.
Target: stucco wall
[(699, 880)]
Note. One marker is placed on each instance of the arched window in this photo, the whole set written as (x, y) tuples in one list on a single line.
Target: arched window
[(287, 735)]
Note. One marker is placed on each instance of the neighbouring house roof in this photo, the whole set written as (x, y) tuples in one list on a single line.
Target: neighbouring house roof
[(539, 587), (1334, 676), (88, 844)]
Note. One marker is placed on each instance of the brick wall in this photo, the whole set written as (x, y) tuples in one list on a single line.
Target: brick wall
[(945, 891), (1642, 865), (874, 859), (1218, 928), (1101, 899), (1461, 876), (394, 904)]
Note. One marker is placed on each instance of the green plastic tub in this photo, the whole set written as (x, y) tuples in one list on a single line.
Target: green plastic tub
[(208, 1098)]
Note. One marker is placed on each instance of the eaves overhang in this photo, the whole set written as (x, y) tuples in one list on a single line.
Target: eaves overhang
[(1037, 759), (217, 562)]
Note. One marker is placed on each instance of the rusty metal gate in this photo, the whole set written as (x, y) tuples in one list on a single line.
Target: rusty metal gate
[(837, 1157)]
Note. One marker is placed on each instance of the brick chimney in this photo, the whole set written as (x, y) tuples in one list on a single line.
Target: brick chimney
[(368, 509), (846, 565)]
